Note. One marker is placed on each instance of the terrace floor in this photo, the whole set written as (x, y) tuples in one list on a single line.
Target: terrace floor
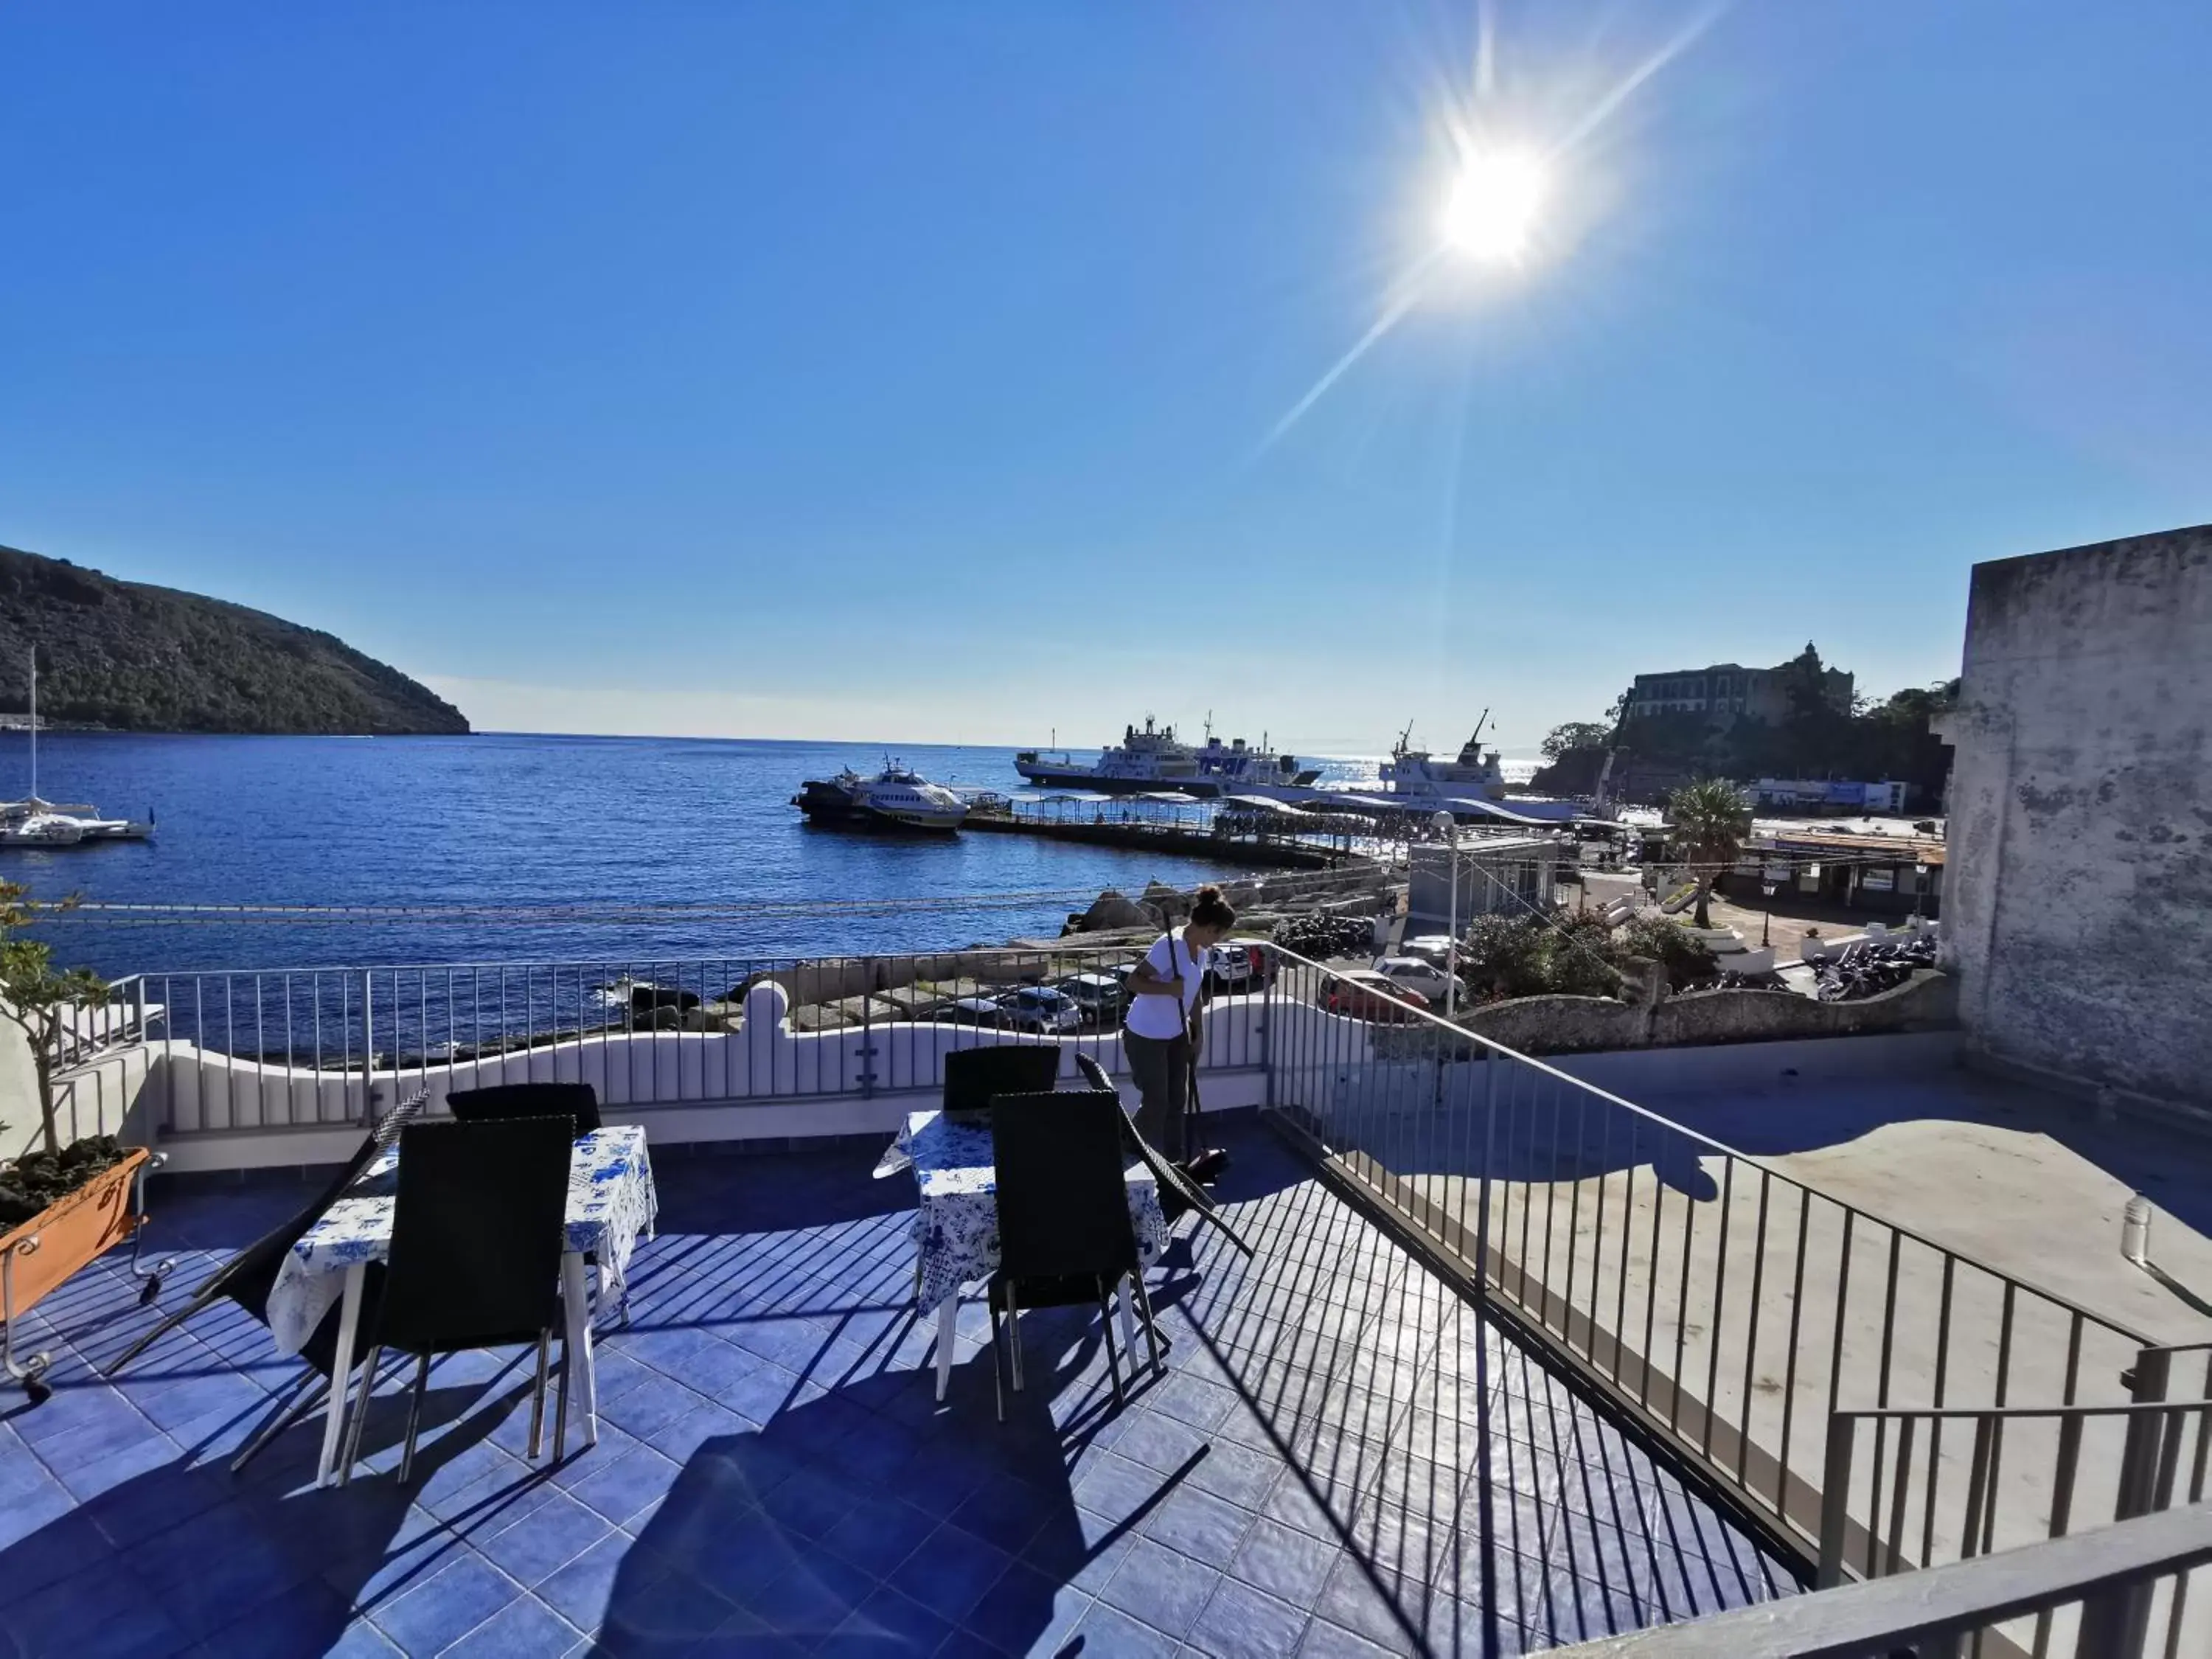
[(1341, 1460)]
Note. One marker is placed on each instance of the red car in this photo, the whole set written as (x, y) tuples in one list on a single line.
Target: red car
[(1370, 996)]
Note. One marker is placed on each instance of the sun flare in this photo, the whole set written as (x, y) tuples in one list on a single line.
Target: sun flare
[(1491, 209)]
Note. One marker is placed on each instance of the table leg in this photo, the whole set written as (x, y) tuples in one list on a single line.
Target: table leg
[(334, 1413), (948, 1318), (583, 1374), (1128, 1327)]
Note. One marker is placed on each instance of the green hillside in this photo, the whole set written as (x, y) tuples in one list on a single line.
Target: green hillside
[(142, 658)]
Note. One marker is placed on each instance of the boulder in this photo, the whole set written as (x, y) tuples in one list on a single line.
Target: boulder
[(1111, 910)]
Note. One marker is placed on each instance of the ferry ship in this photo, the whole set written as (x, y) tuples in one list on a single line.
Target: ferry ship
[(1155, 759), (898, 798)]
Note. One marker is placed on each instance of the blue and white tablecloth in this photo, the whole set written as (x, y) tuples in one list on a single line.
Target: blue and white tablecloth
[(611, 1202), (956, 1228)]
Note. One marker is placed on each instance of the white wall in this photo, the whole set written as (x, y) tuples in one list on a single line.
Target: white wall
[(2079, 891)]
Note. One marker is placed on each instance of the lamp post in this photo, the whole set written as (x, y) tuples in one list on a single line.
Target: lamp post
[(1767, 927), (1448, 826)]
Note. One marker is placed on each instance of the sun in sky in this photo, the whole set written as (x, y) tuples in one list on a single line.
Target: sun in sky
[(1492, 208)]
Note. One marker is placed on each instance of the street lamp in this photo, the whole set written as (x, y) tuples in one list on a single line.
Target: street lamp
[(1767, 885), (1448, 826)]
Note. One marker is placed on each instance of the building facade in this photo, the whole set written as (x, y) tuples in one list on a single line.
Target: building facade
[(2081, 828), (1728, 691), (1499, 875)]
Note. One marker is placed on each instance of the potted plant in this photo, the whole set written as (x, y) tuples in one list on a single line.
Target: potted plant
[(60, 1205)]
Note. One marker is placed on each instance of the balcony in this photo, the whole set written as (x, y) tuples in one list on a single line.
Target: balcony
[(1343, 1459), (1518, 1363)]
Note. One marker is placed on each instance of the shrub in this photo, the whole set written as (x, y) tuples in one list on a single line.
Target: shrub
[(1687, 959)]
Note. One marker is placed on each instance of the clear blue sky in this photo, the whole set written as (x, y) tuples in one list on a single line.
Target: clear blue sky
[(907, 371)]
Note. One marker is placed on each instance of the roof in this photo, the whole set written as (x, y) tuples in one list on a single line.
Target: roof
[(1917, 849)]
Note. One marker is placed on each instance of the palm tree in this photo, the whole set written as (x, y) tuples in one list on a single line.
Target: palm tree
[(1710, 823)]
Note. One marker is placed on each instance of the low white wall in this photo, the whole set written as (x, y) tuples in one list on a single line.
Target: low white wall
[(19, 1093), (763, 1081)]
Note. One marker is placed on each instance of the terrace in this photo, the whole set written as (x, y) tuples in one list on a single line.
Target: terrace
[(1342, 1459), (1517, 1364)]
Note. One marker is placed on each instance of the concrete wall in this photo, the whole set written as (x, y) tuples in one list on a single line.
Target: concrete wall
[(19, 1093), (1569, 1025), (2079, 887)]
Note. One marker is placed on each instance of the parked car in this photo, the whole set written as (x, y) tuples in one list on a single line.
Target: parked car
[(1428, 947), (1042, 1008), (1416, 975), (977, 1010), (1100, 996), (1361, 994), (1239, 964)]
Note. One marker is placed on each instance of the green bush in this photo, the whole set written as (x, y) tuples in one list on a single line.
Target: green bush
[(1687, 959)]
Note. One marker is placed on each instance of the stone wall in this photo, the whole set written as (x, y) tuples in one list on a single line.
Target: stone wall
[(2079, 887), (1574, 1026)]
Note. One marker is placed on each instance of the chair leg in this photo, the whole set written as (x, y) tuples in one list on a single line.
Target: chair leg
[(413, 1416), (998, 1379), (1151, 1326), (1014, 1339), (561, 1410), (1106, 1335), (162, 1330), (359, 1415), (537, 1395), (297, 1404)]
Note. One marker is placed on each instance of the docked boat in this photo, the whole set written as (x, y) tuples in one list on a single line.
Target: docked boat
[(1471, 784), (1237, 768), (896, 798), (33, 821), (1151, 759)]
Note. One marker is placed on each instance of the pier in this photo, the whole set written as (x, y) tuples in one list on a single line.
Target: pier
[(1195, 829)]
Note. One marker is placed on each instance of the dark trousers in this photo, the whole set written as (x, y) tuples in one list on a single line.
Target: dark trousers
[(1161, 1069)]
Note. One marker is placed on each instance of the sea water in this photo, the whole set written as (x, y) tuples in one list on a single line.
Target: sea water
[(508, 825)]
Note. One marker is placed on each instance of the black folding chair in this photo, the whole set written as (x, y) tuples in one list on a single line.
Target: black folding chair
[(248, 1277), (506, 1100), (478, 1228), (1172, 1177), (1065, 1236), (974, 1078)]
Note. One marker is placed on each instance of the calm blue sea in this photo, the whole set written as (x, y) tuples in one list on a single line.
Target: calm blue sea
[(528, 820)]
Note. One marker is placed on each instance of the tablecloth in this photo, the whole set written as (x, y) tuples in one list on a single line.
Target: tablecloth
[(956, 1226), (611, 1202)]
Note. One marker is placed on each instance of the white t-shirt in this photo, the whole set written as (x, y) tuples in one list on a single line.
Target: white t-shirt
[(1169, 957)]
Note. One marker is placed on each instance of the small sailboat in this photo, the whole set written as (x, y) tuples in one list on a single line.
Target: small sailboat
[(35, 822)]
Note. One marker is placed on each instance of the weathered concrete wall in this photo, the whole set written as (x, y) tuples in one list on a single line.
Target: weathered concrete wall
[(2080, 834), (1574, 1026)]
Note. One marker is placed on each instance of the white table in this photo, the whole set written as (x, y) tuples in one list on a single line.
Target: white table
[(956, 1225), (612, 1202)]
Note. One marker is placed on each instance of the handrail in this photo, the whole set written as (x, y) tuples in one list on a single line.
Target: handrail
[(1462, 1033), (1878, 1616)]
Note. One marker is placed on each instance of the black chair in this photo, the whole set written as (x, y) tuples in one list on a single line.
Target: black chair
[(1065, 1236), (974, 1078), (1179, 1193), (478, 1228), (506, 1100), (248, 1277)]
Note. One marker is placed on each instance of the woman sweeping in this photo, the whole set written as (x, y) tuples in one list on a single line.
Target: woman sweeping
[(1160, 1032)]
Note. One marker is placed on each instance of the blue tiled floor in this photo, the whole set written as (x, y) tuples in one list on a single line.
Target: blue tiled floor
[(776, 1477)]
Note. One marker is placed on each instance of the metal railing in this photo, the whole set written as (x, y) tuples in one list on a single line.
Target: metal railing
[(249, 1051), (2096, 1464), (1727, 1306), (1947, 1610)]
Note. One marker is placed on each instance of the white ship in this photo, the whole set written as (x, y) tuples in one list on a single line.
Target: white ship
[(1142, 760), (1413, 775), (32, 821), (896, 798), (1236, 769)]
